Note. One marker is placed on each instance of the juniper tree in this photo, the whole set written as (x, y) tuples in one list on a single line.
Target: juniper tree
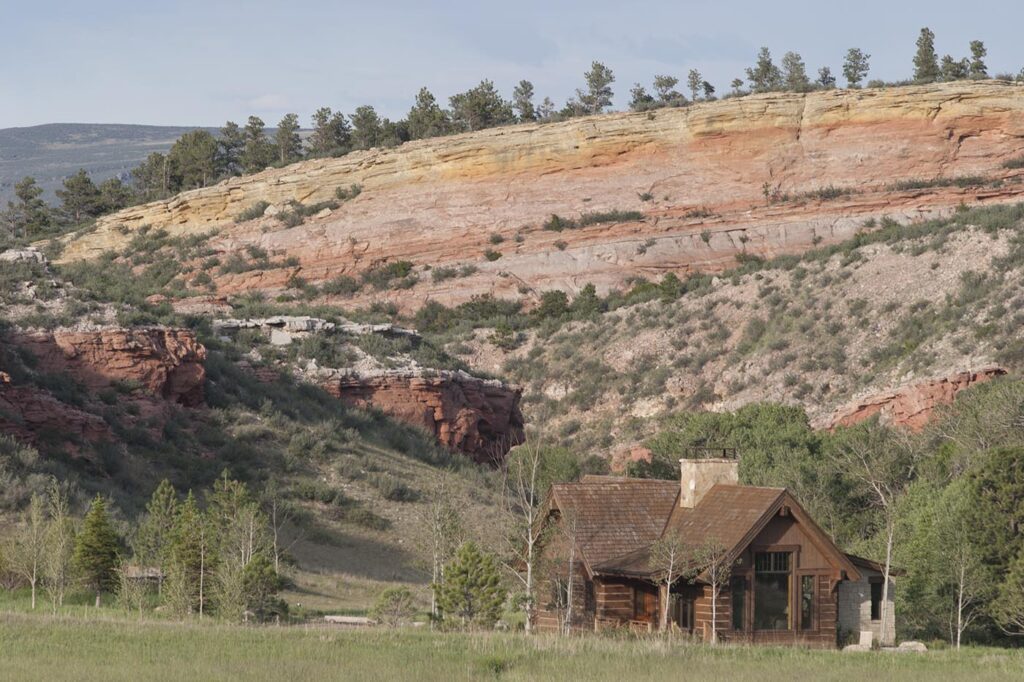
[(522, 101), (287, 139), (926, 62), (471, 590), (855, 67), (427, 118), (80, 197), (764, 76), (794, 73), (96, 549)]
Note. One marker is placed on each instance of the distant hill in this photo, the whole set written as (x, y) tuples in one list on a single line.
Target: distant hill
[(53, 151)]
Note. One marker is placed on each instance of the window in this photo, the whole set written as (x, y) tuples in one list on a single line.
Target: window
[(738, 587), (589, 602), (682, 612), (807, 602), (876, 600), (639, 611), (772, 591)]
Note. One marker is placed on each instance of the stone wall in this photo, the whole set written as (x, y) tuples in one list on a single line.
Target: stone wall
[(855, 608)]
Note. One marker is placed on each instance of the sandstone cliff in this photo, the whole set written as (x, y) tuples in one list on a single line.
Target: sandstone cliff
[(703, 169)]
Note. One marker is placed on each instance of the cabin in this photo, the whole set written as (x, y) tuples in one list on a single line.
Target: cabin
[(787, 582)]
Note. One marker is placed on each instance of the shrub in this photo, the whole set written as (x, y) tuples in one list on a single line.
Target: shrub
[(351, 192), (492, 255), (342, 285), (394, 606), (253, 212), (496, 238)]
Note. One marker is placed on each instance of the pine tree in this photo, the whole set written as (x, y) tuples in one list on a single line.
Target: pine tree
[(151, 179), (926, 62), (522, 101), (978, 69), (153, 540), (258, 152), (794, 73), (668, 96), (855, 67), (80, 198), (230, 148), (480, 107), (188, 579), (737, 86), (96, 549), (764, 76), (951, 69), (427, 118), (640, 99), (826, 81), (598, 95), (331, 134), (693, 81), (193, 160), (366, 128), (115, 195), (471, 589), (30, 216), (287, 140)]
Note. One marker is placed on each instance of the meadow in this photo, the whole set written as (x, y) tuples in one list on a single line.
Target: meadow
[(108, 645)]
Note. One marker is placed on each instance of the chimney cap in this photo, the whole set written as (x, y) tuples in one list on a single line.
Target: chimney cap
[(711, 453)]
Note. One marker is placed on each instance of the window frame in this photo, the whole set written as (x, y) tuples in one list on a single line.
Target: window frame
[(876, 600), (792, 592), (810, 623)]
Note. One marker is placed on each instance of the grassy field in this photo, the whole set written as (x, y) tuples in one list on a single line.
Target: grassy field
[(43, 647)]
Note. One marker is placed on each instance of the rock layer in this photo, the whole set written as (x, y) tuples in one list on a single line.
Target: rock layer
[(29, 413), (476, 416), (697, 174), (166, 363), (912, 406)]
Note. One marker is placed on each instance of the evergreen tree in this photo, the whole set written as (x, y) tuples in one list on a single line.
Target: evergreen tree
[(693, 81), (287, 140), (764, 76), (29, 216), (855, 67), (259, 151), (598, 95), (153, 542), (953, 69), (668, 96), (737, 86), (826, 81), (151, 179), (193, 160), (80, 198), (640, 99), (471, 590), (331, 134), (522, 101), (427, 118), (231, 146), (115, 195), (96, 552), (926, 62), (546, 110), (480, 107), (189, 570), (366, 128), (794, 73), (709, 90), (977, 68)]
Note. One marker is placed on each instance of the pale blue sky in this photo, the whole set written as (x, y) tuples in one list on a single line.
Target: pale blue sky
[(192, 62)]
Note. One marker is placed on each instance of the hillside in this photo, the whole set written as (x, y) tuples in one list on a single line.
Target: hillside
[(52, 152), (636, 194)]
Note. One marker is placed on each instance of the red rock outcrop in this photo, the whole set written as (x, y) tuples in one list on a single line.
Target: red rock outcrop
[(695, 174), (912, 406), (28, 413), (476, 416), (167, 363)]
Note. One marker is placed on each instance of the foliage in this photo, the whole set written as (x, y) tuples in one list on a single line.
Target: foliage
[(394, 606), (470, 593), (96, 549)]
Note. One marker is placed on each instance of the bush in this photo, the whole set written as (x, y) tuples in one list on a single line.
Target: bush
[(394, 606), (253, 212), (492, 255), (342, 285), (351, 192)]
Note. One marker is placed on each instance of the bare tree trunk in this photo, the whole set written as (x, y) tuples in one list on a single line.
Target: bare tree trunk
[(960, 608), (883, 637), (202, 570), (714, 612), (33, 581), (97, 597)]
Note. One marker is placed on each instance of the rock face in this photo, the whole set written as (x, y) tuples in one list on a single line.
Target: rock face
[(28, 413), (912, 406), (166, 363), (700, 176), (476, 416)]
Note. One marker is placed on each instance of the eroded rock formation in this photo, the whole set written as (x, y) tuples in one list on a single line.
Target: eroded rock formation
[(29, 413), (166, 363), (912, 406), (698, 175), (477, 416)]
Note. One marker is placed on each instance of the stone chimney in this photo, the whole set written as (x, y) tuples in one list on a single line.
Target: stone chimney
[(699, 475)]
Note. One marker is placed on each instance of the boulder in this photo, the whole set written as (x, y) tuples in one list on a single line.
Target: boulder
[(913, 647)]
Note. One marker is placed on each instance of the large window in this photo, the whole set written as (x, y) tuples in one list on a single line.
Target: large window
[(807, 602), (682, 612), (738, 587), (772, 591)]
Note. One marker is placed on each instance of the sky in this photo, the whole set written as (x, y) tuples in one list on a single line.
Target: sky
[(188, 62)]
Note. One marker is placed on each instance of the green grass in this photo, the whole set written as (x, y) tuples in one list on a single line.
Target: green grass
[(38, 647)]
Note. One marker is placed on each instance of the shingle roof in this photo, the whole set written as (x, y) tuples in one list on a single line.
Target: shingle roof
[(725, 515), (616, 515)]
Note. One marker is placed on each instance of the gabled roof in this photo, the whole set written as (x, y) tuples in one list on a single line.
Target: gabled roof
[(615, 514), (620, 518)]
